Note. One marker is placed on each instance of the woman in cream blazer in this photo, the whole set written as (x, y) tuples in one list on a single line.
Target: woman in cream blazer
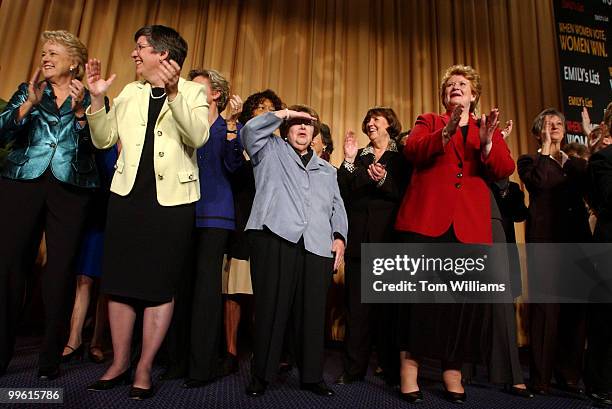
[(160, 122)]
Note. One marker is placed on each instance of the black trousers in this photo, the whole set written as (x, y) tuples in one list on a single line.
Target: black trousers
[(207, 307), (288, 283), (504, 364), (28, 208), (557, 340), (598, 368), (368, 324), (175, 349)]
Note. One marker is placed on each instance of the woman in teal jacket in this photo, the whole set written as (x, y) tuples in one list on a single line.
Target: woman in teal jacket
[(46, 184)]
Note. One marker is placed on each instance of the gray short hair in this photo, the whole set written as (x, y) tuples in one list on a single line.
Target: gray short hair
[(538, 122), (217, 83)]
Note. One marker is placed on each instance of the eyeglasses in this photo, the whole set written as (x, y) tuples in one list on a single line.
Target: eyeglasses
[(139, 47)]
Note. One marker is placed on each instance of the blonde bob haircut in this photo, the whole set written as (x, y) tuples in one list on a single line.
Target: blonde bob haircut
[(471, 75), (76, 49)]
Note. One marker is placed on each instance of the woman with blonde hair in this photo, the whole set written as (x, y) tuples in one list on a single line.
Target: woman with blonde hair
[(46, 184), (454, 157)]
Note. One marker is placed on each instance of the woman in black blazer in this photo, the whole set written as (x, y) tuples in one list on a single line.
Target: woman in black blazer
[(557, 185), (372, 182)]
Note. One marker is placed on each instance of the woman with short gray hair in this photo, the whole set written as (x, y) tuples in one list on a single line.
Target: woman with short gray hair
[(557, 186)]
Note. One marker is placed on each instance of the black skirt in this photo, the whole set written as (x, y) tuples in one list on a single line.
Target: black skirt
[(453, 333), (146, 244), (145, 248)]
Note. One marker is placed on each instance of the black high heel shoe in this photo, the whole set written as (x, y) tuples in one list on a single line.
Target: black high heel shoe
[(106, 384), (412, 397), (520, 392), (455, 397), (49, 373), (76, 353), (141, 393)]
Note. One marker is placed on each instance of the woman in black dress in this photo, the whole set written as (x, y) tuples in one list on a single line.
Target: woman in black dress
[(160, 121)]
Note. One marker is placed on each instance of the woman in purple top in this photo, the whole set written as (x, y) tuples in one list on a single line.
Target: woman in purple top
[(215, 220)]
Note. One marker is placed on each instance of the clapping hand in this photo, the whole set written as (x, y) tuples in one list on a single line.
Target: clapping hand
[(377, 171), (169, 73), (488, 125), (586, 121), (451, 126), (508, 129), (350, 146), (546, 138), (36, 88), (97, 85), (77, 92), (234, 108)]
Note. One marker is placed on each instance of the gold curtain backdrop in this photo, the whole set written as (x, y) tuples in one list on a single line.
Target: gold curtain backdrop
[(339, 56)]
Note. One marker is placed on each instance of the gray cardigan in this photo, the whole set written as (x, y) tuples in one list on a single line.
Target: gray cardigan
[(292, 200)]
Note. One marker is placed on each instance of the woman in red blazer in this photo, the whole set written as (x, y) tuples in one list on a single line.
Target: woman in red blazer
[(454, 155)]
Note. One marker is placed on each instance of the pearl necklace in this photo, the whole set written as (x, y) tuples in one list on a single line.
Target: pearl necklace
[(154, 97)]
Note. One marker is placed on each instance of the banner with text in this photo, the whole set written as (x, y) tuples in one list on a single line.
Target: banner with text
[(583, 32)]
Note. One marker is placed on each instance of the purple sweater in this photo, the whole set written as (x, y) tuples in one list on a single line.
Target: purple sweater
[(217, 159)]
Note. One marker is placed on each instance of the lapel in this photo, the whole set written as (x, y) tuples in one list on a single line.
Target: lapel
[(367, 155), (66, 108), (143, 100), (315, 162), (48, 101), (473, 136), (293, 155), (457, 140)]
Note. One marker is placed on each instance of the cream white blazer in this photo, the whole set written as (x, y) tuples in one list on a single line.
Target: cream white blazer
[(181, 127)]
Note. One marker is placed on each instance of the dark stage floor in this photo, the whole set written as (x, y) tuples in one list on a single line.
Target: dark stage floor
[(229, 391)]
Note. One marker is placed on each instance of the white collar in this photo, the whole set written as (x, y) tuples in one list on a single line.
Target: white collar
[(564, 157), (391, 146)]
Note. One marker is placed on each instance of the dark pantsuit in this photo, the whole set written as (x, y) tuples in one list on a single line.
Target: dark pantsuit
[(504, 364), (177, 341), (28, 208), (598, 368), (207, 310), (367, 324), (557, 342), (288, 282)]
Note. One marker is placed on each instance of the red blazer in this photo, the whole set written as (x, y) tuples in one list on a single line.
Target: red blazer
[(449, 183)]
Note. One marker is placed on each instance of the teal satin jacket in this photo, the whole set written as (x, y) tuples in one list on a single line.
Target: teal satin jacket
[(48, 137)]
